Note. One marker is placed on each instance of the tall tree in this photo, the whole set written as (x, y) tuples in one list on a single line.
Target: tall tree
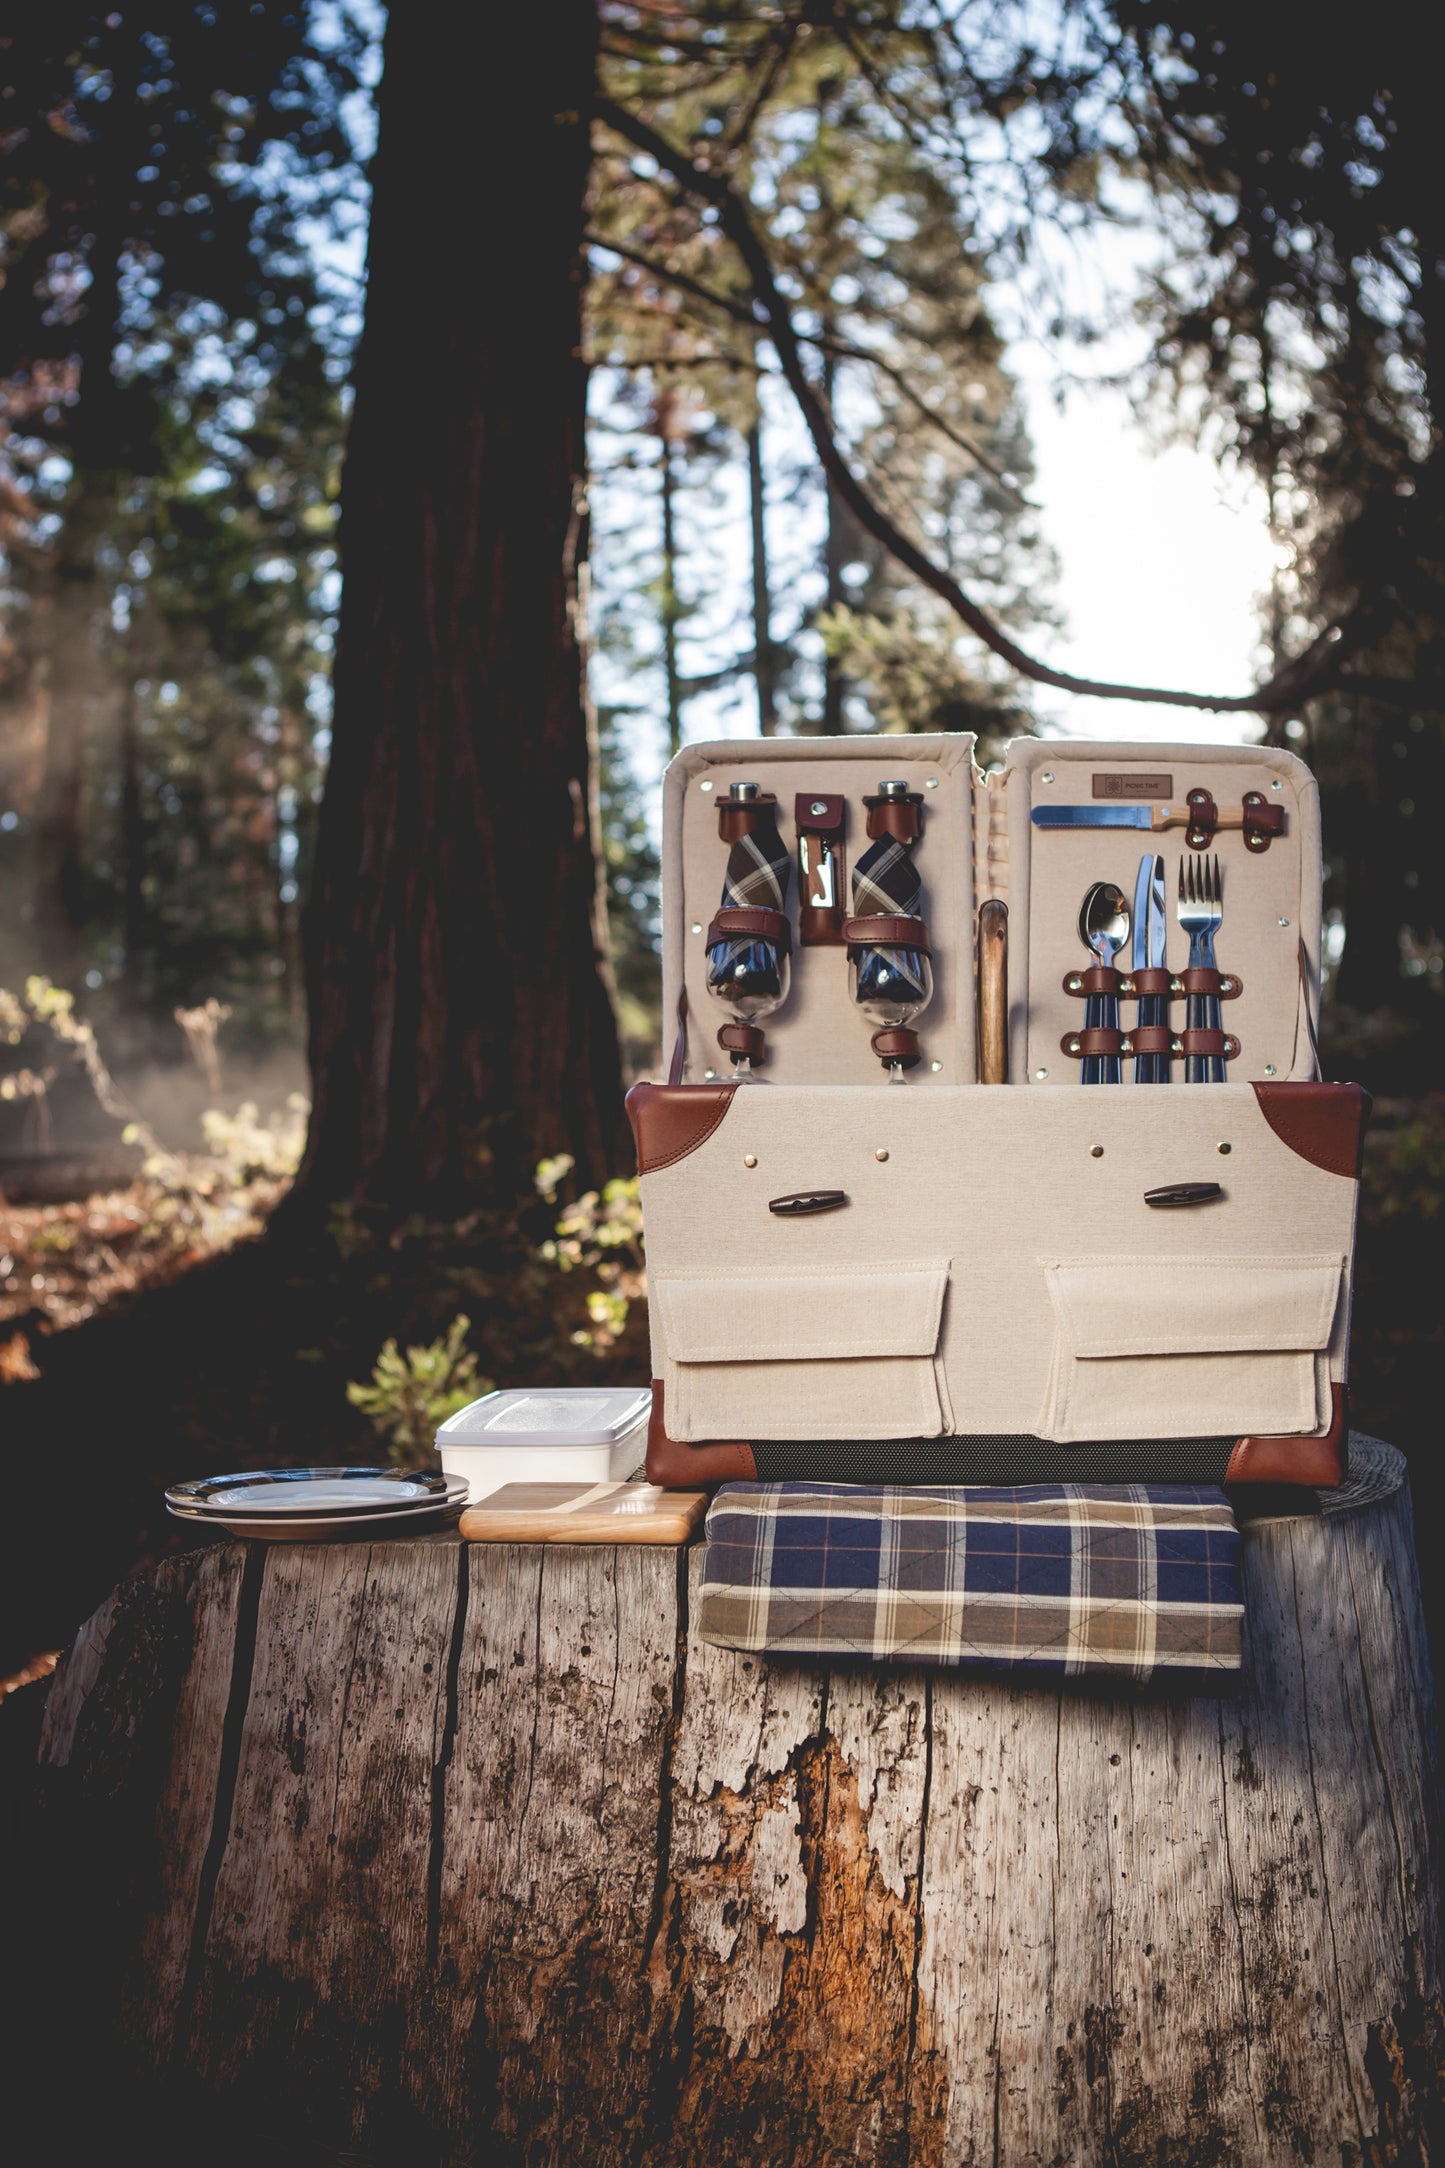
[(461, 1024)]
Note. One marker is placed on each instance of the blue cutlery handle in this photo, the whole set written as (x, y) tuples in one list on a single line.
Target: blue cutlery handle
[(1215, 1068), (1111, 1069), (1195, 1065), (1093, 1015)]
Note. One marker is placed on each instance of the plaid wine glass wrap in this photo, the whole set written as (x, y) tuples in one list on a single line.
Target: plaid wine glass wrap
[(759, 870), (1127, 1582), (886, 885)]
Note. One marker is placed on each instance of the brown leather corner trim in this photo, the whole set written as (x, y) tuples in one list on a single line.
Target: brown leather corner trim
[(887, 931), (684, 1467), (1319, 1462), (1323, 1123), (671, 1120)]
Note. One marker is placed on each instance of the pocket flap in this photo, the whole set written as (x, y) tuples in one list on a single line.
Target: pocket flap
[(1134, 1305), (802, 1317)]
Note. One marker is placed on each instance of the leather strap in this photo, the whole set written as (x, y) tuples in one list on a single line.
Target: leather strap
[(1098, 979), (1196, 1039), (757, 924), (1204, 979), (737, 817), (901, 818), (1203, 819), (679, 1045), (1152, 981), (743, 1039), (1093, 1039), (1152, 1039), (1263, 821), (897, 1045), (887, 933)]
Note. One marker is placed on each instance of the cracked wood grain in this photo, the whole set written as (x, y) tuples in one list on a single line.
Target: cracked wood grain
[(428, 1853)]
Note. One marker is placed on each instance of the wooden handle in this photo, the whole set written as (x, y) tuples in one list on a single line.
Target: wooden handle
[(993, 992)]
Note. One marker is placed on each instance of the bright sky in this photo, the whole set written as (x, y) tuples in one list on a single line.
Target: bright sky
[(1163, 561)]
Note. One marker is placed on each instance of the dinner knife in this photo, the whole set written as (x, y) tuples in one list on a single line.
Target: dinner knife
[(1145, 1071), (1156, 817)]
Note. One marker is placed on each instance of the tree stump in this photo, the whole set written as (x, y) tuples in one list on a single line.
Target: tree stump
[(421, 1853)]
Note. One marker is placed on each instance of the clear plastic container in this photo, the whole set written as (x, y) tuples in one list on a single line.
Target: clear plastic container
[(558, 1434)]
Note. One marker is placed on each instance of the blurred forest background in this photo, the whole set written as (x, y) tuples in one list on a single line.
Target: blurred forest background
[(511, 317)]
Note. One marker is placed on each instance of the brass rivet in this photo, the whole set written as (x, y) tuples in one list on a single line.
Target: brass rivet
[(1048, 775), (709, 1074), (930, 782), (1074, 983), (1096, 1151), (1284, 922), (1269, 1069), (704, 786), (1276, 786), (1041, 1074), (750, 1159), (818, 808), (697, 927), (935, 1066), (880, 1153), (1226, 1149)]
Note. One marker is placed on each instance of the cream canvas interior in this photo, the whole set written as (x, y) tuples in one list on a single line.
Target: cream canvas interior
[(1072, 1309), (978, 841)]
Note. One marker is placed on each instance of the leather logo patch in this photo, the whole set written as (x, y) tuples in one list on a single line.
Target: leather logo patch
[(1133, 786)]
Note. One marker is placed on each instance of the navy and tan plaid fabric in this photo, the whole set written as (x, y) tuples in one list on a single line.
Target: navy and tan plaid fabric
[(886, 884), (1128, 1581), (759, 871)]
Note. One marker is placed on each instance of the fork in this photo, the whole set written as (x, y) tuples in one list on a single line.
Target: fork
[(1200, 911)]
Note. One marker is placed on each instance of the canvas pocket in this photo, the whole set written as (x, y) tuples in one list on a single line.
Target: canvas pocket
[(821, 1354), (1179, 1347)]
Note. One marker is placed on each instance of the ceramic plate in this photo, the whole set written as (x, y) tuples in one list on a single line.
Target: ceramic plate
[(313, 1527), (330, 1492)]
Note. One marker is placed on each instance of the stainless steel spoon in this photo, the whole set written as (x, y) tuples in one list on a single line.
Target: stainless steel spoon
[(1103, 929)]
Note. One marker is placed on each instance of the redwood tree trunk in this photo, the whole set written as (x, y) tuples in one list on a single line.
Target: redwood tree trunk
[(460, 1022)]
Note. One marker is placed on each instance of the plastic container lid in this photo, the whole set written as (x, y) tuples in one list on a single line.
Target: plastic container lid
[(565, 1415)]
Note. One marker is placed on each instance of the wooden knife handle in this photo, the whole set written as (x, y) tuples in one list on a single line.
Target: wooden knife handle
[(993, 992)]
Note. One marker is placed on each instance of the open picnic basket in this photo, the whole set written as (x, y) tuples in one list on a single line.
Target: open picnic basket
[(867, 1265)]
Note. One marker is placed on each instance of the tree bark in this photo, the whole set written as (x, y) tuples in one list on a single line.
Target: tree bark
[(670, 612), (74, 688), (765, 656), (460, 1024), (425, 1853)]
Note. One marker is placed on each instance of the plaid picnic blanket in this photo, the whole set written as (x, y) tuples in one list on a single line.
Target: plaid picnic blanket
[(1069, 1579)]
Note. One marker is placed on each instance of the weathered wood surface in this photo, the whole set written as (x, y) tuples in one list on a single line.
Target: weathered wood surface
[(426, 1853)]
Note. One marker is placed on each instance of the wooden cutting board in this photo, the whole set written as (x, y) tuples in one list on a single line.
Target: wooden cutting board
[(584, 1513)]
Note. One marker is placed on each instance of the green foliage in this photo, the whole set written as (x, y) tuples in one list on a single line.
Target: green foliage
[(601, 1234), (411, 1394)]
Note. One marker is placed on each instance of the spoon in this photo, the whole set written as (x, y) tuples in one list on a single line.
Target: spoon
[(1103, 929)]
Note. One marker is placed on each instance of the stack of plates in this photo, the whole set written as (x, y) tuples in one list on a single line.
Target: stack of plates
[(300, 1505)]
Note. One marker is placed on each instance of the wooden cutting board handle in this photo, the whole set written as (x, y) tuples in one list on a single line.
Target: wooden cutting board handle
[(993, 992)]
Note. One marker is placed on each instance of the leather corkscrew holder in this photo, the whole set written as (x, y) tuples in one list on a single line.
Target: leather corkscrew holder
[(820, 818), (1162, 1039)]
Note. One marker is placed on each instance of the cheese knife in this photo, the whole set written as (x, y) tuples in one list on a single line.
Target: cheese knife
[(1155, 817)]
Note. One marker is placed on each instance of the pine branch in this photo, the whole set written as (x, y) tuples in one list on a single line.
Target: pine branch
[(1300, 678), (745, 312)]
